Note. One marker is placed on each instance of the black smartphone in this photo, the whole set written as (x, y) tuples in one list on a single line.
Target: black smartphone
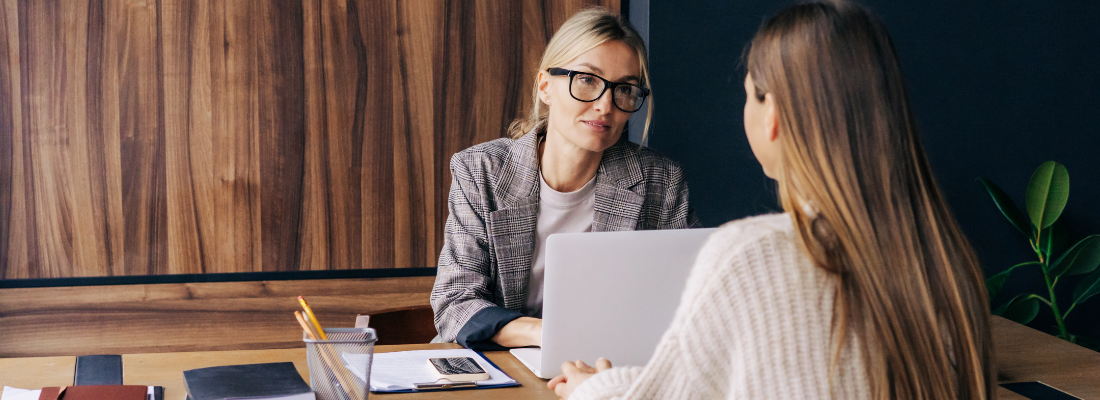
[(1038, 391), (458, 369)]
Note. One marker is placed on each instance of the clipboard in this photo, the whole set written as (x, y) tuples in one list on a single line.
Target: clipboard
[(436, 386)]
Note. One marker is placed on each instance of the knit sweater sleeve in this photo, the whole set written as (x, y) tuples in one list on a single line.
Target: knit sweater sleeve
[(693, 357)]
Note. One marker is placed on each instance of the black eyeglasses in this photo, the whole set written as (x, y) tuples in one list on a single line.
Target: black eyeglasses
[(588, 87)]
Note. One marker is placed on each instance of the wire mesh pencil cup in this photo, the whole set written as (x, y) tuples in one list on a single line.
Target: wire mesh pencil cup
[(333, 374)]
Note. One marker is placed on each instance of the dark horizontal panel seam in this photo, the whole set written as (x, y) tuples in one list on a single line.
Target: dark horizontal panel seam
[(219, 277)]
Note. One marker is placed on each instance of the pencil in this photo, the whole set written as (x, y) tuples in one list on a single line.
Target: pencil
[(312, 318), (341, 374), (305, 325)]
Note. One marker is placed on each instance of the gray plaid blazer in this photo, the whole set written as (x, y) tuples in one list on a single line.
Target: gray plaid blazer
[(489, 238)]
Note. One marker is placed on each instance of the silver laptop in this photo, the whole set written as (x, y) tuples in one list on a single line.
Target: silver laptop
[(611, 295)]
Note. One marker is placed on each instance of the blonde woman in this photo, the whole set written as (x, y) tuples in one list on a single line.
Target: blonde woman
[(865, 288), (568, 168)]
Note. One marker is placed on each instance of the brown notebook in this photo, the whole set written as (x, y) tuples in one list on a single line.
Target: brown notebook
[(95, 392)]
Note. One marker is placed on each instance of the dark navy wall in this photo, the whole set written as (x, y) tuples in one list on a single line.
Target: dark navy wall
[(998, 88)]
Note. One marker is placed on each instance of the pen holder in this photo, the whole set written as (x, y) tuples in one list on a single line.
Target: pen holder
[(339, 368)]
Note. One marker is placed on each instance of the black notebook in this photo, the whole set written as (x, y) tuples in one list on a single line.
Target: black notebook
[(105, 371), (98, 370), (250, 381)]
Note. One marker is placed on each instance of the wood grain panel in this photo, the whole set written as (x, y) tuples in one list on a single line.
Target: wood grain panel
[(186, 147), (375, 47), (415, 203), (15, 226), (187, 316), (281, 133), (9, 49), (197, 136)]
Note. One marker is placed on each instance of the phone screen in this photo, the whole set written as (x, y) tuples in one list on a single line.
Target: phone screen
[(456, 366)]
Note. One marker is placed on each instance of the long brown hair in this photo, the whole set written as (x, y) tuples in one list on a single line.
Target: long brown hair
[(583, 31), (856, 181)]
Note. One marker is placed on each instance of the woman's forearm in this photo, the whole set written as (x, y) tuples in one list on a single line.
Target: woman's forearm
[(521, 332)]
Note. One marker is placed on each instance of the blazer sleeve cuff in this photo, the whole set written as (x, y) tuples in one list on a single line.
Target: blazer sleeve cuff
[(478, 332)]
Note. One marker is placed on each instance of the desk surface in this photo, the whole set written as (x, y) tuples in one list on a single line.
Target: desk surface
[(166, 369), (1023, 354)]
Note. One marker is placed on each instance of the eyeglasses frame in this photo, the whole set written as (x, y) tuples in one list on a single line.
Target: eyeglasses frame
[(607, 85)]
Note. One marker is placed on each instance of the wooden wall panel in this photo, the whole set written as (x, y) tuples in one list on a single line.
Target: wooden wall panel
[(187, 316), (201, 136), (415, 160), (9, 72)]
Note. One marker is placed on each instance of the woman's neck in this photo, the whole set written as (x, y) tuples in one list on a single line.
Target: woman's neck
[(566, 167)]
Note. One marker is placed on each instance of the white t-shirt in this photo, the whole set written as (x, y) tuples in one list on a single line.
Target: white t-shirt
[(558, 213)]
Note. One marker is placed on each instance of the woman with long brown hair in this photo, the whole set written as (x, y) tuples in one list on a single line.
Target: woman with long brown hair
[(865, 287)]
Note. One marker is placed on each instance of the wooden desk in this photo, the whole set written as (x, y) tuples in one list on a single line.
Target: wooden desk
[(1023, 354), (37, 372), (166, 369)]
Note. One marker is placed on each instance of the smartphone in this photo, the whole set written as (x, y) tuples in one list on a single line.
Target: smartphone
[(458, 369), (1038, 391)]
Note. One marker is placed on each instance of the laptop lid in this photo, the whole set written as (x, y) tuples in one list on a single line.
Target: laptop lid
[(611, 295)]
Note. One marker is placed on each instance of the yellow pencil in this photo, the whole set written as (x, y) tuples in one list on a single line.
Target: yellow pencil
[(305, 325), (312, 318)]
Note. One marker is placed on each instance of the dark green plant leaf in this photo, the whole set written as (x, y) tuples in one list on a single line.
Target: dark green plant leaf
[(1007, 207), (994, 284), (1088, 287), (1082, 258), (1047, 193), (1048, 241), (1022, 308), (1059, 238)]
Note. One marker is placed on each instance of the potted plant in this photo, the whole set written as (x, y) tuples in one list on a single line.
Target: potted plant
[(1046, 197)]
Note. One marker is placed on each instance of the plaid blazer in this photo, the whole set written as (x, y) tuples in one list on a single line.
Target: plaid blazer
[(489, 237)]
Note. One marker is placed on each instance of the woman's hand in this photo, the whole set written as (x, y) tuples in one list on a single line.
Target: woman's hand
[(574, 374), (521, 332)]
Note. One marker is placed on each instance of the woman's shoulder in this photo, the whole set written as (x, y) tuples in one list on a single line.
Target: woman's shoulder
[(760, 256), (651, 159), (494, 159), (736, 239), (755, 229), (493, 151)]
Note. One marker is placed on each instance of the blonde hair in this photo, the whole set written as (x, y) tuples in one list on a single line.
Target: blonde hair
[(855, 179), (583, 31)]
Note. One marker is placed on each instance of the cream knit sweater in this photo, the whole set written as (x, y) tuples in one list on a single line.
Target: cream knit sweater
[(754, 323)]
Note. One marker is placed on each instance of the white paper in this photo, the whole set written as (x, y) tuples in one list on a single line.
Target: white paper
[(11, 393), (402, 370)]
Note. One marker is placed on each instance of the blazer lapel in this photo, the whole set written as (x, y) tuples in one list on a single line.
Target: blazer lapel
[(619, 192), (512, 226)]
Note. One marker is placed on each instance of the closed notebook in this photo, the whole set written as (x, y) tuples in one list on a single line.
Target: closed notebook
[(249, 381), (96, 392), (98, 370)]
